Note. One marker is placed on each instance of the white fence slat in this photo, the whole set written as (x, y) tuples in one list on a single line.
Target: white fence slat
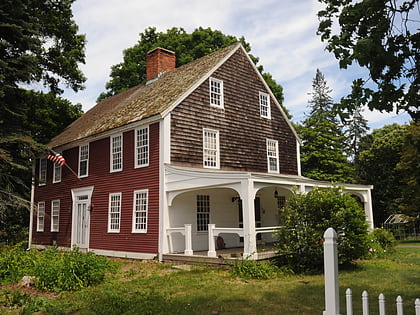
[(349, 302), (400, 310), (365, 302), (381, 304), (332, 302), (417, 306)]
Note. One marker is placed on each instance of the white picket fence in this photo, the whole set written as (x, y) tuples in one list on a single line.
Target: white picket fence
[(332, 298)]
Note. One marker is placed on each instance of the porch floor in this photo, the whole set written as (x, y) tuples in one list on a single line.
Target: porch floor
[(264, 251)]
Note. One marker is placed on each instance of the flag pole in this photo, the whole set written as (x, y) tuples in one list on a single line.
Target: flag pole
[(71, 170)]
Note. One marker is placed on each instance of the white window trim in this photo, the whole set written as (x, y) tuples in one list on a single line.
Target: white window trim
[(111, 155), (57, 201), (222, 99), (136, 162), (41, 205), (143, 191), (87, 163), (57, 169), (276, 157), (110, 229), (42, 164), (260, 95), (217, 166)]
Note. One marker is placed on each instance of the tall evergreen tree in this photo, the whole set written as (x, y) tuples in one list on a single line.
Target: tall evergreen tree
[(323, 153), (355, 128)]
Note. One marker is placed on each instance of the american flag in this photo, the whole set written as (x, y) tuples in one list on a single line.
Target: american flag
[(56, 157)]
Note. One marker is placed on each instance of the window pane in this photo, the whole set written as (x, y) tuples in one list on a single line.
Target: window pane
[(114, 212), (55, 215), (140, 211), (142, 147), (210, 148), (216, 92), (116, 153), (203, 212)]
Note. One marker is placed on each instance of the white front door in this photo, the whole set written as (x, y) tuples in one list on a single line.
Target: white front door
[(81, 217)]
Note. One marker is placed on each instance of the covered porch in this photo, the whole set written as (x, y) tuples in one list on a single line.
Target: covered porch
[(230, 215)]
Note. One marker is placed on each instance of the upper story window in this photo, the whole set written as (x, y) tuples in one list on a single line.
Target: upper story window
[(140, 207), (40, 217), (265, 110), (83, 160), (211, 148), (216, 93), (114, 213), (57, 173), (116, 159), (141, 150), (42, 172), (273, 156), (55, 215)]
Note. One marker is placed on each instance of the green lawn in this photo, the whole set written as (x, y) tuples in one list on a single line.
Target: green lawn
[(154, 288)]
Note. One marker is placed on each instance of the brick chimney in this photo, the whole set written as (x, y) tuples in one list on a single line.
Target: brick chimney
[(159, 60)]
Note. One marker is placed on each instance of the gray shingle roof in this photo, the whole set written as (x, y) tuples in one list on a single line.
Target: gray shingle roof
[(143, 101)]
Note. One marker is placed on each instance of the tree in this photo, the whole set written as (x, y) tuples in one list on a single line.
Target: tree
[(38, 44), (305, 219), (376, 164), (187, 47), (381, 35), (356, 127), (323, 155)]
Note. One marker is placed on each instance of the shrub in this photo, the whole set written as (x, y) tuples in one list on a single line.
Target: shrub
[(305, 219), (253, 269), (380, 242)]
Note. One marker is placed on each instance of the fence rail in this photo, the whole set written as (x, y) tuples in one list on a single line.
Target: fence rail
[(332, 301)]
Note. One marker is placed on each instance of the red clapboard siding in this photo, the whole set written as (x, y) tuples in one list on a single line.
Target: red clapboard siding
[(104, 182)]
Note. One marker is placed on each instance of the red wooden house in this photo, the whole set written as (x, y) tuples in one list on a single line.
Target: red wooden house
[(199, 151)]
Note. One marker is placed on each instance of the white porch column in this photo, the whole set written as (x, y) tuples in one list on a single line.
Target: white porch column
[(248, 196), (212, 247), (368, 210), (188, 240)]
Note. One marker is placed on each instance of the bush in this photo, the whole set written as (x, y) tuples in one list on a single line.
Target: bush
[(305, 219), (253, 269), (380, 242)]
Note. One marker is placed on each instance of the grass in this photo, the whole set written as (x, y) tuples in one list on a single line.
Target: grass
[(155, 288)]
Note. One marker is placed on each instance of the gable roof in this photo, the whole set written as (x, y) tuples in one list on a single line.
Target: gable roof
[(155, 99)]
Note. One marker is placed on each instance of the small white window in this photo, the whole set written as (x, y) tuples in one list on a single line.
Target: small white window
[(114, 213), (57, 173), (40, 217), (55, 215), (141, 144), (203, 212), (216, 93), (42, 172), (140, 207), (273, 156), (83, 160), (265, 109), (211, 148), (116, 153)]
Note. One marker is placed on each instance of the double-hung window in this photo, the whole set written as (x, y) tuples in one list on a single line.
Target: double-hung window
[(114, 213), (55, 215), (40, 217), (141, 145), (140, 207), (42, 172), (57, 173), (216, 93), (83, 160), (265, 109), (211, 156), (203, 212), (273, 156), (116, 153)]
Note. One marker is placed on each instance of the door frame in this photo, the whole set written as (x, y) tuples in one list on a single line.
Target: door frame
[(75, 193)]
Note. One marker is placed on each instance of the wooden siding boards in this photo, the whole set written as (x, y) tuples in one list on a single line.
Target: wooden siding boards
[(243, 132), (105, 182)]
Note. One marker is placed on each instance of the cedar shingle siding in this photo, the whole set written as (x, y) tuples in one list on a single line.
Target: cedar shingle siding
[(243, 132)]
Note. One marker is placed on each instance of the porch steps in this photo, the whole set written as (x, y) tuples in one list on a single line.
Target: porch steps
[(196, 259)]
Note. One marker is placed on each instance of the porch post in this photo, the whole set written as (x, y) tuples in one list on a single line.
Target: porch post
[(368, 209), (188, 240), (212, 248), (250, 243)]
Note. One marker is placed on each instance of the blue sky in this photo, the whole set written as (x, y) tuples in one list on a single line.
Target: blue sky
[(281, 33)]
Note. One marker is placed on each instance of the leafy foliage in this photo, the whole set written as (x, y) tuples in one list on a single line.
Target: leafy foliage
[(253, 269), (323, 152), (307, 217), (383, 37), (54, 270), (381, 242)]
